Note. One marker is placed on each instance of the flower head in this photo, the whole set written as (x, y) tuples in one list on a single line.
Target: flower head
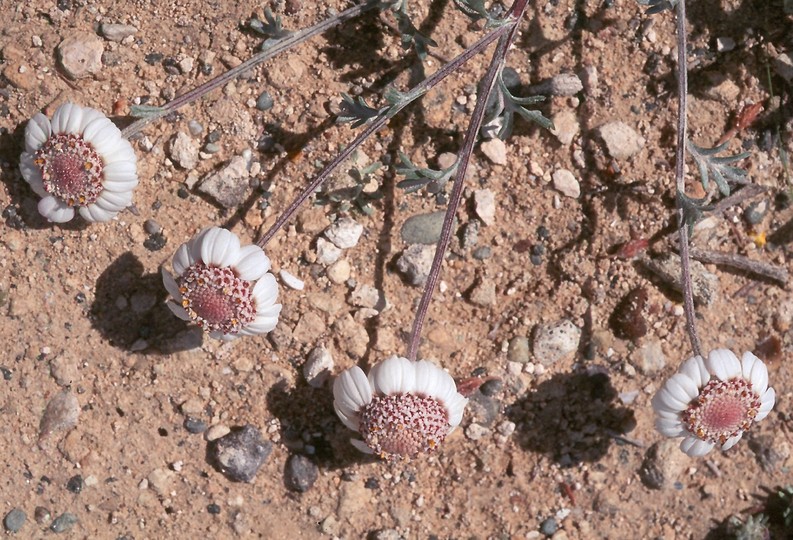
[(78, 160), (402, 409), (226, 289), (713, 402)]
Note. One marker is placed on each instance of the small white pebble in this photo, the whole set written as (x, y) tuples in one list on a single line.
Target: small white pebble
[(291, 281)]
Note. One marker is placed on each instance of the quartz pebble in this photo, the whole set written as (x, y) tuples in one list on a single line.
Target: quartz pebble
[(80, 55), (518, 349), (565, 182), (339, 272), (229, 186), (621, 140), (485, 206), (495, 150), (415, 263), (117, 32), (565, 126), (318, 366), (483, 293), (556, 341), (344, 233), (649, 358), (239, 454), (327, 252), (291, 280), (184, 151)]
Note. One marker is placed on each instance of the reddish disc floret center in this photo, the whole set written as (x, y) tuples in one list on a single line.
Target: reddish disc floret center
[(404, 425), (723, 410), (71, 169), (216, 299)]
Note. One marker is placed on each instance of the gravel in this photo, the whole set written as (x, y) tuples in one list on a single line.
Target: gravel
[(622, 141), (239, 454), (556, 341), (75, 484), (264, 102), (344, 233), (415, 263), (14, 520), (301, 473), (80, 55), (64, 522), (423, 228), (495, 150)]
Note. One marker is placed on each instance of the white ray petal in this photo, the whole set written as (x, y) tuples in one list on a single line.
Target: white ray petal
[(177, 310), (695, 447), (724, 364), (37, 131), (95, 213), (252, 263), (55, 210)]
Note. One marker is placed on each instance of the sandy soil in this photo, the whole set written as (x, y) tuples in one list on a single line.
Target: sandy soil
[(83, 306)]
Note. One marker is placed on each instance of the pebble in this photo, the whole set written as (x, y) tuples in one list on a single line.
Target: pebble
[(64, 522), (42, 515), (548, 526), (621, 140), (564, 181), (471, 234), (217, 431), (318, 366), (327, 253), (194, 426), (491, 388), (415, 263), (628, 320), (351, 336), (61, 413), (476, 432), (485, 205), (755, 212), (518, 350), (423, 228), (483, 293), (783, 65), (186, 65), (704, 284), (556, 341), (117, 32), (482, 409), (495, 150), (367, 296), (264, 102), (291, 281), (565, 126), (14, 520), (152, 227), (387, 534), (301, 473), (339, 272), (649, 358), (160, 481), (725, 44), (481, 253), (344, 233), (228, 186), (239, 454), (80, 55), (184, 150), (75, 484), (213, 509), (564, 84), (195, 128), (663, 464)]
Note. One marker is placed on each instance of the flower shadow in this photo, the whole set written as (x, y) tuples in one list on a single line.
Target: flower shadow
[(308, 421), (129, 310), (572, 417)]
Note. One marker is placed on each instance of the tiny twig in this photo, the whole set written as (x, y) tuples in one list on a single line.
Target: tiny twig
[(680, 156), (758, 268), (278, 47), (378, 122), (471, 135)]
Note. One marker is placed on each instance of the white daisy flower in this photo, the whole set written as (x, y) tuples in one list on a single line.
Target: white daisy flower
[(226, 289), (78, 160), (402, 409), (713, 402)]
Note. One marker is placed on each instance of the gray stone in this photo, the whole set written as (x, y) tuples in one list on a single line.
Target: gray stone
[(485, 205), (80, 55), (783, 65), (704, 284), (239, 454), (621, 140), (14, 520), (518, 349), (117, 32), (565, 182), (471, 234), (61, 413), (301, 473), (228, 186), (367, 296), (556, 341), (264, 102), (662, 465), (495, 150), (483, 293), (64, 522), (318, 366), (344, 233), (415, 263), (725, 44), (476, 432), (649, 358), (564, 84), (423, 228)]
